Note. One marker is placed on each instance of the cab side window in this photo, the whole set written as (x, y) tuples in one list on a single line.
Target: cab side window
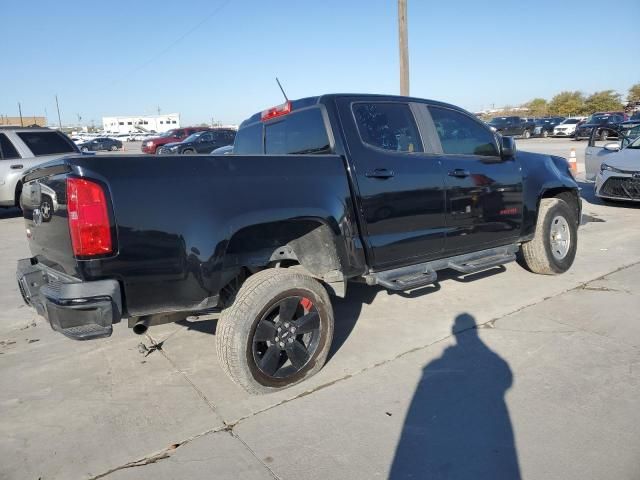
[(389, 126), (461, 135)]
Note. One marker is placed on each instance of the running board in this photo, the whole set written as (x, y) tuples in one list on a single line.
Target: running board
[(420, 275)]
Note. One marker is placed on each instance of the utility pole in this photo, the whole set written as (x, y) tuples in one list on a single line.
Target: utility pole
[(20, 111), (58, 107), (404, 47)]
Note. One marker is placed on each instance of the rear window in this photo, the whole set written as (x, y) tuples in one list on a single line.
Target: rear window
[(249, 140), (298, 133), (7, 150), (46, 143)]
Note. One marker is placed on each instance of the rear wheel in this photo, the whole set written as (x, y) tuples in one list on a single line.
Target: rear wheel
[(603, 135), (188, 151), (277, 332), (526, 134), (84, 149), (114, 148), (545, 134), (553, 247)]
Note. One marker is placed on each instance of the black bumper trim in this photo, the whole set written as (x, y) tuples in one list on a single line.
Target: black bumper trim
[(79, 310)]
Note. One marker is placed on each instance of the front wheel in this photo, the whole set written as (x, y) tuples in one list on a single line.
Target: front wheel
[(277, 332), (545, 134), (114, 148), (554, 245), (526, 134)]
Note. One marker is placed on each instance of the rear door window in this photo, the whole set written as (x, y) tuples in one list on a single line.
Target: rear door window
[(298, 133), (388, 126), (7, 150), (47, 143), (461, 135)]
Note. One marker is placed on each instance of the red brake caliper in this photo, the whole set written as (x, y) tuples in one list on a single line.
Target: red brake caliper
[(306, 304)]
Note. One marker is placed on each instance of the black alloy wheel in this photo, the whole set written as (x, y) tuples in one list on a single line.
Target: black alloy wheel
[(286, 337)]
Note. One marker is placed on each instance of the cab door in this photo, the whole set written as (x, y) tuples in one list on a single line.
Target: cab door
[(484, 197), (399, 181)]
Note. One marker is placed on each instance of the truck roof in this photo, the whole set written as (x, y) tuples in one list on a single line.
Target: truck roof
[(309, 101)]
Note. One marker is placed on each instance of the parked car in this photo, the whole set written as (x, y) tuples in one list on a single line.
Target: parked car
[(608, 124), (22, 148), (226, 150), (512, 126), (543, 127), (619, 175), (319, 191), (100, 143), (568, 127), (595, 154), (200, 142), (170, 136)]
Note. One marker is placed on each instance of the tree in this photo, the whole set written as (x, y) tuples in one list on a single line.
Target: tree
[(567, 103), (634, 93), (604, 101), (538, 107)]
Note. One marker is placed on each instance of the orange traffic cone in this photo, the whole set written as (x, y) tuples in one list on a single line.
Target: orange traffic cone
[(573, 162)]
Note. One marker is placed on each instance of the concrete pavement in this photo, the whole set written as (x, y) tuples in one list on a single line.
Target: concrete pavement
[(546, 386)]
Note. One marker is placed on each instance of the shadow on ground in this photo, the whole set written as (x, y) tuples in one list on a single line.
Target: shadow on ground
[(10, 213), (458, 425)]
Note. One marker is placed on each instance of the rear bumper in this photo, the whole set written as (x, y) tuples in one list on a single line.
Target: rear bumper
[(79, 310)]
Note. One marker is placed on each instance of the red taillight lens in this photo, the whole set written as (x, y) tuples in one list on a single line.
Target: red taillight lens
[(274, 112), (88, 218)]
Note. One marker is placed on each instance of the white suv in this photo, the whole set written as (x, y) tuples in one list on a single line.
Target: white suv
[(22, 148)]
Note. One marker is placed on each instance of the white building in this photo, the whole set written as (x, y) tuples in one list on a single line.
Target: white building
[(141, 123)]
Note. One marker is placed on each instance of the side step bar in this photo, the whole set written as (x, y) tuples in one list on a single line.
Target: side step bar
[(414, 276)]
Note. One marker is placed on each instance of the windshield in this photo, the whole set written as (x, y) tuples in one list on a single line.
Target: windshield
[(597, 119), (541, 121), (168, 133), (192, 137), (498, 121), (570, 121)]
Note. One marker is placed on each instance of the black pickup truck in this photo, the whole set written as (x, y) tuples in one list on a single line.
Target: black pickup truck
[(319, 192)]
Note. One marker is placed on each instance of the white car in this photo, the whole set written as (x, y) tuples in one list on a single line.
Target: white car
[(567, 128), (619, 175)]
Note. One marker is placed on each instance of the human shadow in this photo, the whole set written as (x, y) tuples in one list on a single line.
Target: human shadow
[(458, 424)]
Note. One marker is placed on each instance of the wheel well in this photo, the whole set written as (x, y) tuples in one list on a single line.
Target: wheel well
[(570, 196), (309, 242)]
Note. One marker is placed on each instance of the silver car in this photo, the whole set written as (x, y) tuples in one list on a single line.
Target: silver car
[(22, 148), (619, 175)]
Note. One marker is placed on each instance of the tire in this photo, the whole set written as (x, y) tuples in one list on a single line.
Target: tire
[(544, 256), (260, 301), (114, 148), (188, 151), (545, 134), (603, 135), (526, 134), (84, 149)]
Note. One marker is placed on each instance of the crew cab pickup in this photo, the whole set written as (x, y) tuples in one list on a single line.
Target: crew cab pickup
[(318, 192)]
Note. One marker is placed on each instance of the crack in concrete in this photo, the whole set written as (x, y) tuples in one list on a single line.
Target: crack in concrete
[(159, 455), (259, 460)]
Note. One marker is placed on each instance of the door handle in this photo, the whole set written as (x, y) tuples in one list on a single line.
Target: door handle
[(380, 173), (17, 166), (459, 173)]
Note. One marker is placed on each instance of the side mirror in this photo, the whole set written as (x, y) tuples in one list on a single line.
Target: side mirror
[(507, 146), (612, 147)]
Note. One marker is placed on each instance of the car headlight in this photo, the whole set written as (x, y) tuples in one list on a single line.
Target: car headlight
[(493, 129), (608, 168), (173, 149), (149, 144)]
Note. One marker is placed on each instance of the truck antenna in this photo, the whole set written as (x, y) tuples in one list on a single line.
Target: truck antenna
[(282, 90)]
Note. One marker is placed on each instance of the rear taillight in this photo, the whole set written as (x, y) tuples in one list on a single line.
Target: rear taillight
[(88, 218), (274, 112)]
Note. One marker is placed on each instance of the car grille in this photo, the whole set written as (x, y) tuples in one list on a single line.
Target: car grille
[(622, 187)]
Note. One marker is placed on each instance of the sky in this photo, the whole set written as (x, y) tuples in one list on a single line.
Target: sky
[(218, 59)]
